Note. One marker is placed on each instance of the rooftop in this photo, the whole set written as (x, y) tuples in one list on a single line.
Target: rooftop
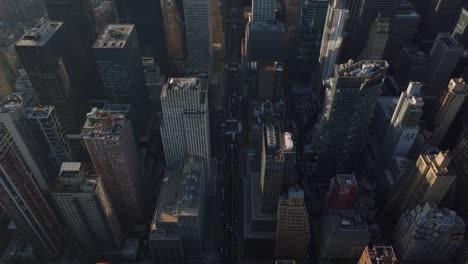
[(70, 169), (114, 36), (381, 255), (117, 108), (346, 220), (39, 32), (363, 68), (183, 84), (270, 26), (11, 103), (346, 179), (103, 124), (40, 112)]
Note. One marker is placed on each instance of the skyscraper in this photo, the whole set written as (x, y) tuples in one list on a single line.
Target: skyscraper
[(197, 34), (428, 180), (111, 145), (42, 51), (378, 255), (428, 233), (265, 41), (185, 129), (456, 93), (440, 16), (83, 202), (263, 10), (377, 39), (444, 56), (119, 63), (174, 31), (403, 29), (292, 228), (21, 183), (460, 32), (404, 125), (348, 108), (460, 167), (332, 39)]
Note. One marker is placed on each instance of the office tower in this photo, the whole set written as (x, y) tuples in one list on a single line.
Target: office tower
[(428, 233), (266, 80), (174, 31), (428, 180), (402, 29), (22, 183), (263, 11), (440, 16), (177, 225), (23, 11), (460, 32), (460, 167), (292, 228), (83, 202), (378, 255), (291, 21), (197, 34), (265, 41), (411, 65), (275, 159), (104, 13), (185, 128), (343, 190), (217, 37), (111, 145), (332, 39), (377, 39), (45, 121), (368, 11), (348, 108), (404, 125), (344, 234), (118, 60), (452, 102), (444, 56), (154, 83), (42, 52)]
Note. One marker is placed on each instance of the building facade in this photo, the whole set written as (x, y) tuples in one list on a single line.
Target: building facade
[(378, 255), (377, 39), (343, 190), (439, 16), (197, 34), (460, 32)]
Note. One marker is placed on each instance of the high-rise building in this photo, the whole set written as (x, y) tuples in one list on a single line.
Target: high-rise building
[(404, 124), (452, 102), (21, 186), (104, 13), (349, 105), (377, 39), (460, 32), (460, 167), (45, 121), (154, 83), (402, 29), (428, 233), (378, 255), (309, 36), (291, 20), (428, 180), (266, 80), (197, 34), (332, 39), (278, 159), (177, 226), (292, 228), (265, 41), (344, 234), (83, 202), (444, 56), (111, 145), (411, 65), (185, 128), (174, 31), (119, 63), (343, 190), (263, 10), (440, 16), (42, 51)]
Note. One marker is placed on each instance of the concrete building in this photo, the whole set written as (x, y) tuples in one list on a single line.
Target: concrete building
[(83, 202), (111, 145), (197, 34), (378, 255), (185, 129), (460, 32), (22, 185), (444, 56), (377, 38), (402, 29), (344, 235), (439, 16), (347, 110), (428, 233), (404, 125), (118, 59), (460, 167), (292, 228), (452, 103), (428, 180), (332, 39), (265, 41), (174, 31), (177, 226), (42, 52), (263, 10)]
